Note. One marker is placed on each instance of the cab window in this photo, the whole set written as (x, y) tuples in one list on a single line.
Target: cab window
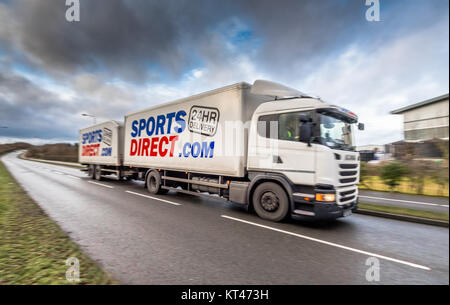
[(283, 126)]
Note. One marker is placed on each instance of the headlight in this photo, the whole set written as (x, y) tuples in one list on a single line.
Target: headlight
[(325, 197)]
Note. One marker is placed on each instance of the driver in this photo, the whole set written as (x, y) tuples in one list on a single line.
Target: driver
[(291, 130), (328, 138)]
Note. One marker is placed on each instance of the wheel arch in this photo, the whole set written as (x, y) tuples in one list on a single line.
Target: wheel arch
[(264, 177)]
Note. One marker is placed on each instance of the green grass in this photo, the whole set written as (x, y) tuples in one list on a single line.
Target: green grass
[(33, 249), (403, 211)]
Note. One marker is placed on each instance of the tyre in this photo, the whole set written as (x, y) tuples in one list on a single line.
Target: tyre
[(153, 183), (98, 173), (270, 201), (91, 170)]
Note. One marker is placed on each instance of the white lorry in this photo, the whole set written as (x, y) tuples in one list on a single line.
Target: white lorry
[(272, 148)]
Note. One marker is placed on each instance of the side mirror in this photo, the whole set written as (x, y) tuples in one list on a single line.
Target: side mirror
[(360, 126), (306, 133)]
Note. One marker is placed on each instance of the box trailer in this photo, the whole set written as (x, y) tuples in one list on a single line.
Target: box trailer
[(266, 146), (190, 134), (101, 144)]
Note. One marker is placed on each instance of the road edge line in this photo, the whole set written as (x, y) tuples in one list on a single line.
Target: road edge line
[(151, 197), (101, 184)]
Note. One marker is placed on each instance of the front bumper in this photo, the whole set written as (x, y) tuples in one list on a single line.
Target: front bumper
[(322, 211)]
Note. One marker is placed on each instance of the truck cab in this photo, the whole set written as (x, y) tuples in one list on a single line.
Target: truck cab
[(307, 147)]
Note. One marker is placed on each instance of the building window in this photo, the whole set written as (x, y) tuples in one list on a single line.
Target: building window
[(426, 134)]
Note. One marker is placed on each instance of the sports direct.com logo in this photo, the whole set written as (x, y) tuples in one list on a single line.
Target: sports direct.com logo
[(180, 134), (91, 141), (156, 136)]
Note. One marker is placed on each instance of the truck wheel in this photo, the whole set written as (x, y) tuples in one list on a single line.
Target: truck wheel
[(153, 183), (91, 170), (98, 173), (270, 201)]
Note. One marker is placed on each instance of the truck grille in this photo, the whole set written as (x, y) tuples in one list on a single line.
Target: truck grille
[(348, 166), (347, 190), (347, 180), (347, 195), (348, 173)]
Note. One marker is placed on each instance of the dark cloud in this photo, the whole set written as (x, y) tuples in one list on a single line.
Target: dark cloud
[(21, 93), (156, 42), (300, 35), (28, 110), (126, 38), (137, 39)]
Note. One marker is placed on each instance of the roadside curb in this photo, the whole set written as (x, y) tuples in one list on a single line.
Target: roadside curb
[(404, 218)]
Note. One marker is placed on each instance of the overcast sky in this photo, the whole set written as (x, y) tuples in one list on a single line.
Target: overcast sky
[(123, 56)]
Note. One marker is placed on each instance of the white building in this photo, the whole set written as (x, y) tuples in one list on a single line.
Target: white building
[(426, 120)]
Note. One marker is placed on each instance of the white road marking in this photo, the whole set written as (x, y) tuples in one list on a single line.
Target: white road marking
[(331, 244), (151, 197), (74, 177), (101, 184), (415, 202)]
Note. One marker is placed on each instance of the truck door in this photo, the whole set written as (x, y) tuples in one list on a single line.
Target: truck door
[(278, 147)]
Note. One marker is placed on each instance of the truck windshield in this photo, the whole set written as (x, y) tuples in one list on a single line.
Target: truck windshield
[(336, 131)]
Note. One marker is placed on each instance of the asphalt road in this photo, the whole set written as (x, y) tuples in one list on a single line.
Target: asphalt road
[(180, 239), (417, 202)]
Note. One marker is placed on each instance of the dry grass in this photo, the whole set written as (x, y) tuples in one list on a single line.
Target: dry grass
[(406, 186), (56, 152), (5, 148)]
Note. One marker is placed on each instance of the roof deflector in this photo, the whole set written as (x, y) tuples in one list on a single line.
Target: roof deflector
[(265, 87)]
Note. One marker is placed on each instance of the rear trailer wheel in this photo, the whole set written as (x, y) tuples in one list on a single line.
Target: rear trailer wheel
[(91, 170), (270, 201), (98, 173), (154, 183)]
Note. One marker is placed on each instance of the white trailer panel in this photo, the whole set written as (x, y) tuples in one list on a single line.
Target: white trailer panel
[(101, 144), (193, 134)]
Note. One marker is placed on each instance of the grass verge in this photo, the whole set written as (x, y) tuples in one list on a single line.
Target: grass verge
[(403, 211), (51, 162), (406, 186), (33, 249)]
